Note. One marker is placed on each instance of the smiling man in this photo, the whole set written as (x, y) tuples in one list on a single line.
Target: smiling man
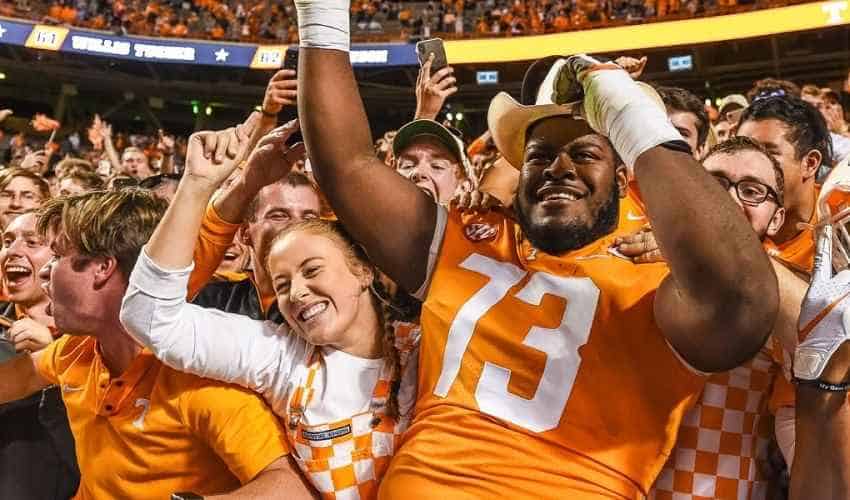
[(20, 190), (161, 431), (548, 367)]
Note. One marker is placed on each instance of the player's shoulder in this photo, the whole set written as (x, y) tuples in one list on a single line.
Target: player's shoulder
[(474, 228), (68, 350)]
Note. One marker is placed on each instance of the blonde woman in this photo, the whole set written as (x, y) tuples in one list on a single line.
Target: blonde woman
[(336, 375)]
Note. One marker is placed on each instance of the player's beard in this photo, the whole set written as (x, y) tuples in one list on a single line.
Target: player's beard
[(559, 239)]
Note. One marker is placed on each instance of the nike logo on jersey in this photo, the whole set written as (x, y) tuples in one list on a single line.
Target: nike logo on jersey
[(632, 216)]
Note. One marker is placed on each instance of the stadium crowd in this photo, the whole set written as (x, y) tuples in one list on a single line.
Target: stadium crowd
[(615, 291), (263, 21)]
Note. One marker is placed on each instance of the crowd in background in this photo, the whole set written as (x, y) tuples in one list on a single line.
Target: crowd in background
[(263, 21), (232, 244)]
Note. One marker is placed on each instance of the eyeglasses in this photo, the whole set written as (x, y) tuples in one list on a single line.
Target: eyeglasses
[(750, 192)]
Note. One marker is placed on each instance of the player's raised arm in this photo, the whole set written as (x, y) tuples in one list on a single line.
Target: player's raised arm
[(720, 301), (822, 369), (386, 213)]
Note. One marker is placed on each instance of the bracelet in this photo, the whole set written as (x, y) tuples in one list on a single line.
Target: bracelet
[(266, 113), (680, 146), (823, 386)]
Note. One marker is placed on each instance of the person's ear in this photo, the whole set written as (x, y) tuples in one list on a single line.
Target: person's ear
[(811, 163), (621, 174), (776, 222), (104, 268), (243, 236)]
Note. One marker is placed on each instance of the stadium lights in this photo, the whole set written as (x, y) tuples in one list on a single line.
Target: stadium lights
[(459, 116), (195, 107), (208, 110), (450, 116), (2, 76)]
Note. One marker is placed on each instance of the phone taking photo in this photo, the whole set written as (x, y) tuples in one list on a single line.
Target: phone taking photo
[(290, 59), (425, 48)]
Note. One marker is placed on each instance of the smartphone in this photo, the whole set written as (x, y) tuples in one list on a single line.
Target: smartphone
[(290, 59), (432, 46)]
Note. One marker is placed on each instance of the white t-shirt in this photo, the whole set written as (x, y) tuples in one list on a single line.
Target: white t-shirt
[(258, 355)]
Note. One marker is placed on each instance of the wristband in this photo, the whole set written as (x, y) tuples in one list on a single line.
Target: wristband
[(266, 113), (324, 24), (823, 386)]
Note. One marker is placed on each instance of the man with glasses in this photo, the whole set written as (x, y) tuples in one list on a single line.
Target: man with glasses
[(721, 450), (20, 190)]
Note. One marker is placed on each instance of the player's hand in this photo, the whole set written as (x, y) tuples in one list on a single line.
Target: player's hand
[(213, 155), (29, 336), (5, 113), (433, 90), (281, 91), (634, 67), (474, 201), (640, 246), (271, 160), (824, 319)]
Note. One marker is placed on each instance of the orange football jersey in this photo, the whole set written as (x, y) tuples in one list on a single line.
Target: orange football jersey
[(632, 212), (540, 376)]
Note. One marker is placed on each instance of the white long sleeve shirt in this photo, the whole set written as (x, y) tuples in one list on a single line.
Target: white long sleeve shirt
[(258, 355)]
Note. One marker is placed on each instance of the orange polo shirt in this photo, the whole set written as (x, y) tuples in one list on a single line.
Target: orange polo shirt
[(154, 431)]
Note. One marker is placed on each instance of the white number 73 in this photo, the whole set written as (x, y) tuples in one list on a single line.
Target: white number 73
[(542, 412)]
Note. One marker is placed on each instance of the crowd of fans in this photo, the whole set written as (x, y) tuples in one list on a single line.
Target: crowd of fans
[(263, 21), (227, 313)]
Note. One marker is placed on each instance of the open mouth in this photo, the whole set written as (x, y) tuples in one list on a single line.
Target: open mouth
[(311, 312), (560, 193), (17, 275), (230, 256), (428, 190)]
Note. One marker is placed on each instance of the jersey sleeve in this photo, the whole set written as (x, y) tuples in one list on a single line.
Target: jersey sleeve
[(236, 425), (434, 251), (214, 239), (205, 342)]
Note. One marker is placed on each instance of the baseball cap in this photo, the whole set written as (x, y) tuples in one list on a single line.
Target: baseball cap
[(417, 129), (731, 100)]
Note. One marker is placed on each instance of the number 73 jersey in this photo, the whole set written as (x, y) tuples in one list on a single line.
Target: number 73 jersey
[(539, 376)]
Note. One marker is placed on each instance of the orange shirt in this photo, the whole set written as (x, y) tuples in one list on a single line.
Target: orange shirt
[(632, 211), (798, 253), (539, 376), (154, 431), (214, 239)]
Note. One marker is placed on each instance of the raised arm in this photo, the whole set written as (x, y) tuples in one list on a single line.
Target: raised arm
[(822, 371), (205, 342), (720, 301), (386, 213), (155, 312)]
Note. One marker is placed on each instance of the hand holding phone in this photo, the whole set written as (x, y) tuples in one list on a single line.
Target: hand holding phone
[(435, 46)]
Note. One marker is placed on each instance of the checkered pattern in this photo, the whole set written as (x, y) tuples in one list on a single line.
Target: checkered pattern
[(721, 450), (350, 466)]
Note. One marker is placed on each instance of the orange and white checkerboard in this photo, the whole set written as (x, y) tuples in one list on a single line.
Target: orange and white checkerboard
[(333, 466), (346, 459), (721, 451)]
